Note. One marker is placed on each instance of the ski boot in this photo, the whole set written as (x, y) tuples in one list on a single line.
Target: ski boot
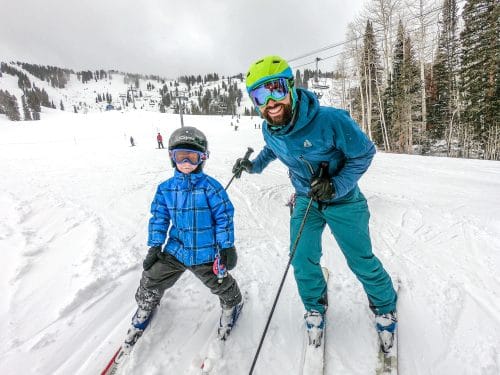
[(386, 327), (140, 321), (227, 320), (315, 323)]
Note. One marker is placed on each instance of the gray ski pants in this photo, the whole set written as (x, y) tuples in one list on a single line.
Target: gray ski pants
[(167, 270)]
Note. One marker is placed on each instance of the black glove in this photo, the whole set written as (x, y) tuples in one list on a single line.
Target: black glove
[(240, 166), (321, 189), (151, 257), (228, 257)]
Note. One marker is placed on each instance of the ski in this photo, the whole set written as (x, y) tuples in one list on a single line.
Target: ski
[(122, 355), (214, 355), (116, 362), (388, 360), (217, 346), (313, 357)]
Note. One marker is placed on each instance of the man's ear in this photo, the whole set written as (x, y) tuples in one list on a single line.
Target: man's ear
[(291, 83)]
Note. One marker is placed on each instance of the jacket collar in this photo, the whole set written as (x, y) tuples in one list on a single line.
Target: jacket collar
[(192, 177), (305, 110)]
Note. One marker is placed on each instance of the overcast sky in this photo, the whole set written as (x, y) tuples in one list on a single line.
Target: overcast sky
[(167, 37)]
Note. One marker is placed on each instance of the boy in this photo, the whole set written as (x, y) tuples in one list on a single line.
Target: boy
[(196, 211)]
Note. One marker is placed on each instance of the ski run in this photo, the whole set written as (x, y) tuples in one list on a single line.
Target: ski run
[(74, 206)]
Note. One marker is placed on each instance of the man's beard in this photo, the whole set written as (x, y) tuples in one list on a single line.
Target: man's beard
[(283, 119)]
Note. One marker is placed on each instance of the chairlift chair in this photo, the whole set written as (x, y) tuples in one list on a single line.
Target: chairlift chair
[(317, 84)]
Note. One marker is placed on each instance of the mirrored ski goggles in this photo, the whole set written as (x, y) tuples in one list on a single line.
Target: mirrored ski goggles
[(192, 157), (276, 89)]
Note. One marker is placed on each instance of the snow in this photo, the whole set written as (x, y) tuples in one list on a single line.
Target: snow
[(74, 206)]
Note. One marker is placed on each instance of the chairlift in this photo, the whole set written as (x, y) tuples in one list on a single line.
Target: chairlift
[(317, 84)]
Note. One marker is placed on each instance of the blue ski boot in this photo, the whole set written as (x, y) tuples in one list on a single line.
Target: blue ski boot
[(315, 323), (227, 320), (386, 327), (140, 321)]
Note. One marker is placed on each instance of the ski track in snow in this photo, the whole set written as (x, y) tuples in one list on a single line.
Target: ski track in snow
[(74, 206)]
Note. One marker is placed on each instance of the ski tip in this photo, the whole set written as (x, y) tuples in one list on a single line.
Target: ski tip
[(112, 363), (207, 365), (326, 272)]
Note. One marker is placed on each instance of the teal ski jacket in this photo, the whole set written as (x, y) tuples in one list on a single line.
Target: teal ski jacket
[(318, 134)]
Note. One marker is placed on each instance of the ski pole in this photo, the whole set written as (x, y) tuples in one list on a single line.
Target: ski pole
[(323, 168), (292, 253), (218, 268), (247, 155)]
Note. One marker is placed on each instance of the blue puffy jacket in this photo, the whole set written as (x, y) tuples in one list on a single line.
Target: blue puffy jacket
[(200, 216), (318, 134)]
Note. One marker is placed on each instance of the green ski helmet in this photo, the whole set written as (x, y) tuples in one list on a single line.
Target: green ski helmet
[(267, 69)]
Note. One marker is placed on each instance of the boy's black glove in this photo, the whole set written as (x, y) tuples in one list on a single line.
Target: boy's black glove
[(241, 165), (228, 257), (151, 257)]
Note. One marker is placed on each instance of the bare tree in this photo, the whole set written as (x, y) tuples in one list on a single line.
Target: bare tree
[(353, 49), (383, 14)]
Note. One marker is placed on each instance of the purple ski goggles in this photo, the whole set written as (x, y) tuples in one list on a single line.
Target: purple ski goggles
[(192, 157), (276, 89)]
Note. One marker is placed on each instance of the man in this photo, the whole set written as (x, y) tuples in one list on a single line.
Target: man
[(326, 153), (159, 139)]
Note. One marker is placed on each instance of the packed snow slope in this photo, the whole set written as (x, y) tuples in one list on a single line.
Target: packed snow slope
[(74, 207)]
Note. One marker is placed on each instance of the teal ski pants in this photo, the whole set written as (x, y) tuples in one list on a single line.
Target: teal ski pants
[(348, 222)]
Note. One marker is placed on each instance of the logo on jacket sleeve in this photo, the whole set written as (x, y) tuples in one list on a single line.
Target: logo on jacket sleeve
[(307, 143)]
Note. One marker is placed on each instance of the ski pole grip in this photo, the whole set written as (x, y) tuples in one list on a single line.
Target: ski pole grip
[(323, 170), (248, 153)]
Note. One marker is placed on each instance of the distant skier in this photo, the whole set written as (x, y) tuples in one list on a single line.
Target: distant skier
[(159, 139), (305, 136), (195, 211), (132, 143)]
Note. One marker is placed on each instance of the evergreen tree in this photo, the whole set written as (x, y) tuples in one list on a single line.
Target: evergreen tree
[(402, 94), (298, 79), (307, 75), (33, 102), (8, 106), (26, 110), (443, 99), (371, 76), (480, 58), (61, 105)]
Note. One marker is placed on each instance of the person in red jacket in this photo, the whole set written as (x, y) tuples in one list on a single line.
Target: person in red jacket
[(159, 139)]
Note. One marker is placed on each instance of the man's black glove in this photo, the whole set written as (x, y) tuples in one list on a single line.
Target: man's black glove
[(240, 166), (151, 257), (322, 189), (228, 257)]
